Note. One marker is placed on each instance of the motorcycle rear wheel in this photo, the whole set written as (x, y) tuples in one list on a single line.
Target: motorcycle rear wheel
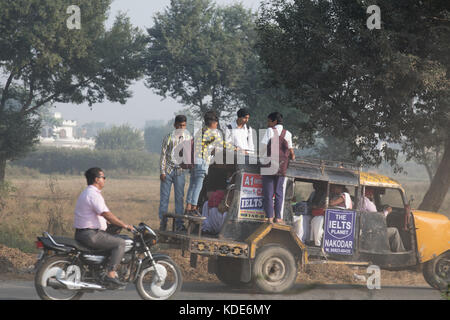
[(47, 273), (151, 287)]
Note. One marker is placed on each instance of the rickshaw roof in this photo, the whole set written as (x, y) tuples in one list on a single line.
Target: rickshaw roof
[(378, 180), (335, 172), (332, 172), (338, 173)]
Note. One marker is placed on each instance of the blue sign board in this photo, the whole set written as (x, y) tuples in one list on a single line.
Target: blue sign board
[(339, 231)]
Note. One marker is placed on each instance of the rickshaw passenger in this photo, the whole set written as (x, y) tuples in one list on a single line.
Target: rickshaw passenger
[(316, 202), (395, 241), (215, 212), (339, 198)]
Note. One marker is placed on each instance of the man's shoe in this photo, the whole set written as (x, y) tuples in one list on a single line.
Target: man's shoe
[(194, 213), (114, 281)]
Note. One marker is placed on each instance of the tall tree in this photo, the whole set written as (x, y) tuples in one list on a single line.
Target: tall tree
[(42, 61), (367, 86), (196, 53)]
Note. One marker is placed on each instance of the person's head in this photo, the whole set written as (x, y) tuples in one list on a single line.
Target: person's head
[(180, 122), (243, 115), (211, 119), (274, 118), (320, 186), (95, 176), (336, 188), (369, 192)]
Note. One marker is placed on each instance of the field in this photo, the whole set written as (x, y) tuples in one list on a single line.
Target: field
[(46, 203)]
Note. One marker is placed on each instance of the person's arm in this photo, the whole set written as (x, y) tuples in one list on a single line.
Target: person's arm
[(251, 146), (111, 218), (163, 159), (291, 154), (337, 201)]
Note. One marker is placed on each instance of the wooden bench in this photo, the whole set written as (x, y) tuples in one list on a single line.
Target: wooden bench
[(192, 222)]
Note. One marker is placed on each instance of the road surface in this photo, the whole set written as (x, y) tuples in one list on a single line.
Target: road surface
[(24, 290)]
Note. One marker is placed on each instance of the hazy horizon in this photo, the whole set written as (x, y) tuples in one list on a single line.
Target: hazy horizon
[(144, 105)]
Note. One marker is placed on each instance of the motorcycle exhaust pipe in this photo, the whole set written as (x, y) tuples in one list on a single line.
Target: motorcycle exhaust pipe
[(70, 285)]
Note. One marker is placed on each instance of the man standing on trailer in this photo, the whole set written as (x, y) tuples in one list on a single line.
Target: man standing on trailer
[(172, 173), (274, 185)]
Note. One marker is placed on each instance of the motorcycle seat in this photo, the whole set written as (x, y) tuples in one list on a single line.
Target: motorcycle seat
[(70, 242)]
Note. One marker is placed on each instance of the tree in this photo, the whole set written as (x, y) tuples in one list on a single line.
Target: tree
[(153, 136), (119, 138), (196, 53), (43, 61), (367, 86)]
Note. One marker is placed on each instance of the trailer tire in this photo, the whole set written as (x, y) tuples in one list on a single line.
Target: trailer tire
[(274, 269)]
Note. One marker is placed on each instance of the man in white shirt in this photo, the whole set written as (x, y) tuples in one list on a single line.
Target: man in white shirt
[(395, 241), (239, 133), (91, 214)]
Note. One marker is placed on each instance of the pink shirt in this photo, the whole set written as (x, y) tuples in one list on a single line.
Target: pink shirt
[(90, 205)]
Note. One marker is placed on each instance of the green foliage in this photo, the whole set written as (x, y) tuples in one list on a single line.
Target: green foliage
[(119, 138), (196, 53), (153, 136), (42, 61), (366, 86), (76, 161)]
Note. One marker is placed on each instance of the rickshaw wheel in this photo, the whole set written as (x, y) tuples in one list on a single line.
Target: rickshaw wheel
[(274, 269), (229, 272), (436, 272)]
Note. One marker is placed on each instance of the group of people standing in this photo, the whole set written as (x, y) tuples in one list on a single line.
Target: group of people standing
[(238, 136)]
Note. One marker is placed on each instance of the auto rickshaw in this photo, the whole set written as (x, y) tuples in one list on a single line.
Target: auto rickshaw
[(249, 250)]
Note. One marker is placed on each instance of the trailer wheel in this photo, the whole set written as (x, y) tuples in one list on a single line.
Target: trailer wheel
[(436, 272), (274, 269), (229, 272)]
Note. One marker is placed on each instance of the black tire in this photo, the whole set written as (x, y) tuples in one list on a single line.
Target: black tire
[(146, 284), (436, 272), (46, 292), (229, 272), (274, 269)]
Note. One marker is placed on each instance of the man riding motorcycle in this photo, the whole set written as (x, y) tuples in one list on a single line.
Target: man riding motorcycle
[(91, 217)]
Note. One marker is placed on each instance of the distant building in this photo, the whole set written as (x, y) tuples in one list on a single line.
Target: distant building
[(63, 136)]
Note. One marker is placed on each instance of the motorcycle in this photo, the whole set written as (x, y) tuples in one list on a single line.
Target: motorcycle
[(66, 269)]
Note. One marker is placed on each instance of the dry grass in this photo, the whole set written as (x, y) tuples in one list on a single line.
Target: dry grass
[(46, 203)]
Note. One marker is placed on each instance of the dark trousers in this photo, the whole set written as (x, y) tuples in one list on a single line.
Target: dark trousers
[(273, 185), (100, 240)]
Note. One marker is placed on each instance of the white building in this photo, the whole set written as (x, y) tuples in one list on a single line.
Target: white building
[(63, 136)]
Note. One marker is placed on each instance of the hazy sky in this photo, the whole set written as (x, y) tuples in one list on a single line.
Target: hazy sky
[(144, 105)]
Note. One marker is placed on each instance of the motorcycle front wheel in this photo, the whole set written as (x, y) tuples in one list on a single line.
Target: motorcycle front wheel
[(50, 271), (160, 283)]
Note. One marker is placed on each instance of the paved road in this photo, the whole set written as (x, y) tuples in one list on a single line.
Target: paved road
[(24, 290)]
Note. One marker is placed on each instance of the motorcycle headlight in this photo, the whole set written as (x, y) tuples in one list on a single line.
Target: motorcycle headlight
[(149, 235)]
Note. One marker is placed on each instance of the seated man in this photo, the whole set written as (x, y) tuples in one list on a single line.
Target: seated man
[(368, 205), (339, 197), (215, 212)]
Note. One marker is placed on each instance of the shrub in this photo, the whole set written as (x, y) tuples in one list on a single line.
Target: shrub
[(50, 160)]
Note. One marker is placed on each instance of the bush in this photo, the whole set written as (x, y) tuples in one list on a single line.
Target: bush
[(50, 160)]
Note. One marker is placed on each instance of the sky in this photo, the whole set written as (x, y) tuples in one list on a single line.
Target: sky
[(144, 105)]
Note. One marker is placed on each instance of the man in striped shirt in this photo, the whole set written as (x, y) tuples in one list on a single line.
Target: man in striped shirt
[(171, 171)]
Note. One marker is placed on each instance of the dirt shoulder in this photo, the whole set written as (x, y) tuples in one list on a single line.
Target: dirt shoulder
[(17, 265)]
